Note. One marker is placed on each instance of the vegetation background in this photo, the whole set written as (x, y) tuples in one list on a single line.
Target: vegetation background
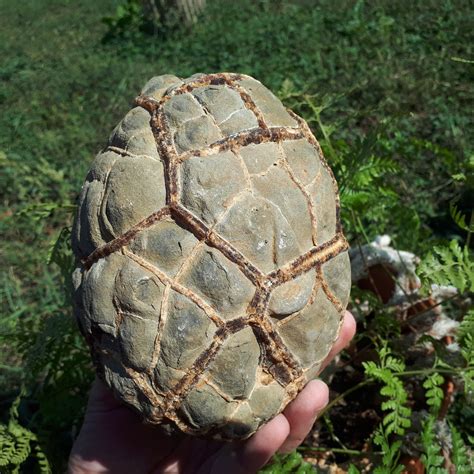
[(386, 87)]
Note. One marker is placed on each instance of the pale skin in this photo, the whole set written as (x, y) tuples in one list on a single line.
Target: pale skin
[(114, 440)]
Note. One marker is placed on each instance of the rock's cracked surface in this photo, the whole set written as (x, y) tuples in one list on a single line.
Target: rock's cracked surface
[(212, 269)]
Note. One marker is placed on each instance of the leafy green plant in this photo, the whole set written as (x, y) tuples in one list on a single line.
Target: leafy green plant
[(390, 450), (460, 455), (388, 371), (397, 418), (450, 265), (18, 443), (126, 22), (434, 393), (432, 459), (292, 463)]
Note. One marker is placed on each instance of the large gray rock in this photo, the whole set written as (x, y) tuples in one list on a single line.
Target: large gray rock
[(212, 273)]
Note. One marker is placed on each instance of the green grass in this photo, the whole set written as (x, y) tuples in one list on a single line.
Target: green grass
[(384, 66)]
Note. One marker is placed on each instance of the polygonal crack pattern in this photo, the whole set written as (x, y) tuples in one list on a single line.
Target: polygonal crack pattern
[(206, 250)]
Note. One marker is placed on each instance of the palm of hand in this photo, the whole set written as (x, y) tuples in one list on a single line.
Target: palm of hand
[(113, 438)]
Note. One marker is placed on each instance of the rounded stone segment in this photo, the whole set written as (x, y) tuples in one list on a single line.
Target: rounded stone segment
[(135, 189), (123, 385), (195, 77), (187, 332), (240, 424), (335, 273), (277, 187), (303, 159), (203, 408), (134, 134), (137, 299), (259, 157), (310, 335), (96, 291), (258, 229), (226, 107), (219, 282), (209, 184), (138, 291), (166, 245), (165, 378), (234, 369), (292, 296), (220, 101), (137, 338), (157, 86), (181, 108), (88, 233), (266, 398), (196, 134), (274, 113), (238, 121), (323, 195), (313, 371), (143, 144)]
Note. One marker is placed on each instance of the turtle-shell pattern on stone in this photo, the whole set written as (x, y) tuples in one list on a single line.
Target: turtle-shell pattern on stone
[(212, 270)]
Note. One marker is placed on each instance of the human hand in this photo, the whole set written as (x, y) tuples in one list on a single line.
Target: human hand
[(113, 438)]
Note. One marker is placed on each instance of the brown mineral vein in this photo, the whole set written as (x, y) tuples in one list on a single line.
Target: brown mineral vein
[(167, 151), (237, 140), (148, 103), (272, 358), (328, 292), (312, 258), (189, 380), (217, 79), (280, 348), (144, 385), (316, 286), (212, 238), (276, 356), (124, 239)]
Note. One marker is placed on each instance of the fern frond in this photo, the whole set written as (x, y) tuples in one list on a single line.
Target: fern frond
[(459, 455), (17, 444), (434, 394), (431, 457), (450, 265), (460, 218), (391, 453), (467, 375), (398, 417), (466, 327), (288, 463)]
